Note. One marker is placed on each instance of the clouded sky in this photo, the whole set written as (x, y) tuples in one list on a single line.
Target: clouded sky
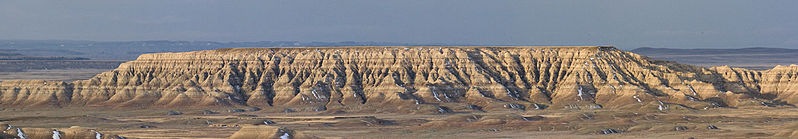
[(624, 23)]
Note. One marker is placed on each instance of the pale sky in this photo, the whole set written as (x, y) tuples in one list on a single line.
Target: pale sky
[(624, 23)]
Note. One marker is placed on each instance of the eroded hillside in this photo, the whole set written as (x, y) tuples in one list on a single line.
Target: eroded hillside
[(477, 78)]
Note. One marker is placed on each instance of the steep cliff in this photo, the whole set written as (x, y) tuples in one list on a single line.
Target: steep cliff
[(490, 77)]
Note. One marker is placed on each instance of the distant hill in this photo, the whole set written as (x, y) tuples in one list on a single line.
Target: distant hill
[(9, 52), (757, 58), (11, 60), (13, 54), (25, 55), (130, 50)]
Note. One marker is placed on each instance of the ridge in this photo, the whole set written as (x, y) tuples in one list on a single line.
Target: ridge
[(495, 77)]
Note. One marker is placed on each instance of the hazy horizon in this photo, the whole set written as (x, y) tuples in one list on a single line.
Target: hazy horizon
[(626, 24)]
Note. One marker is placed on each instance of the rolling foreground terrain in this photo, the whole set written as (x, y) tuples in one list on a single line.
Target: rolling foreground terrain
[(406, 92)]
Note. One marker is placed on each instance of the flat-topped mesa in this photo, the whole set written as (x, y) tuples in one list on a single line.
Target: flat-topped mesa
[(490, 77)]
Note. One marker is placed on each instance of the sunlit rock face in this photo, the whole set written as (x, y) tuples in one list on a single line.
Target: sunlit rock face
[(590, 77)]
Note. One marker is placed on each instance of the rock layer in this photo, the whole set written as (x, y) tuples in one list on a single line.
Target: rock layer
[(533, 77)]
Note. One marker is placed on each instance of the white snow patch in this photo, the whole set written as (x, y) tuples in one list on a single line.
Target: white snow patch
[(56, 134), (440, 109), (97, 135), (435, 94), (638, 99), (21, 134), (692, 90), (315, 94), (580, 94), (285, 135)]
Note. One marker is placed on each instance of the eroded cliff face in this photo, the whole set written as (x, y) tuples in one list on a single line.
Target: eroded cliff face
[(488, 77)]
